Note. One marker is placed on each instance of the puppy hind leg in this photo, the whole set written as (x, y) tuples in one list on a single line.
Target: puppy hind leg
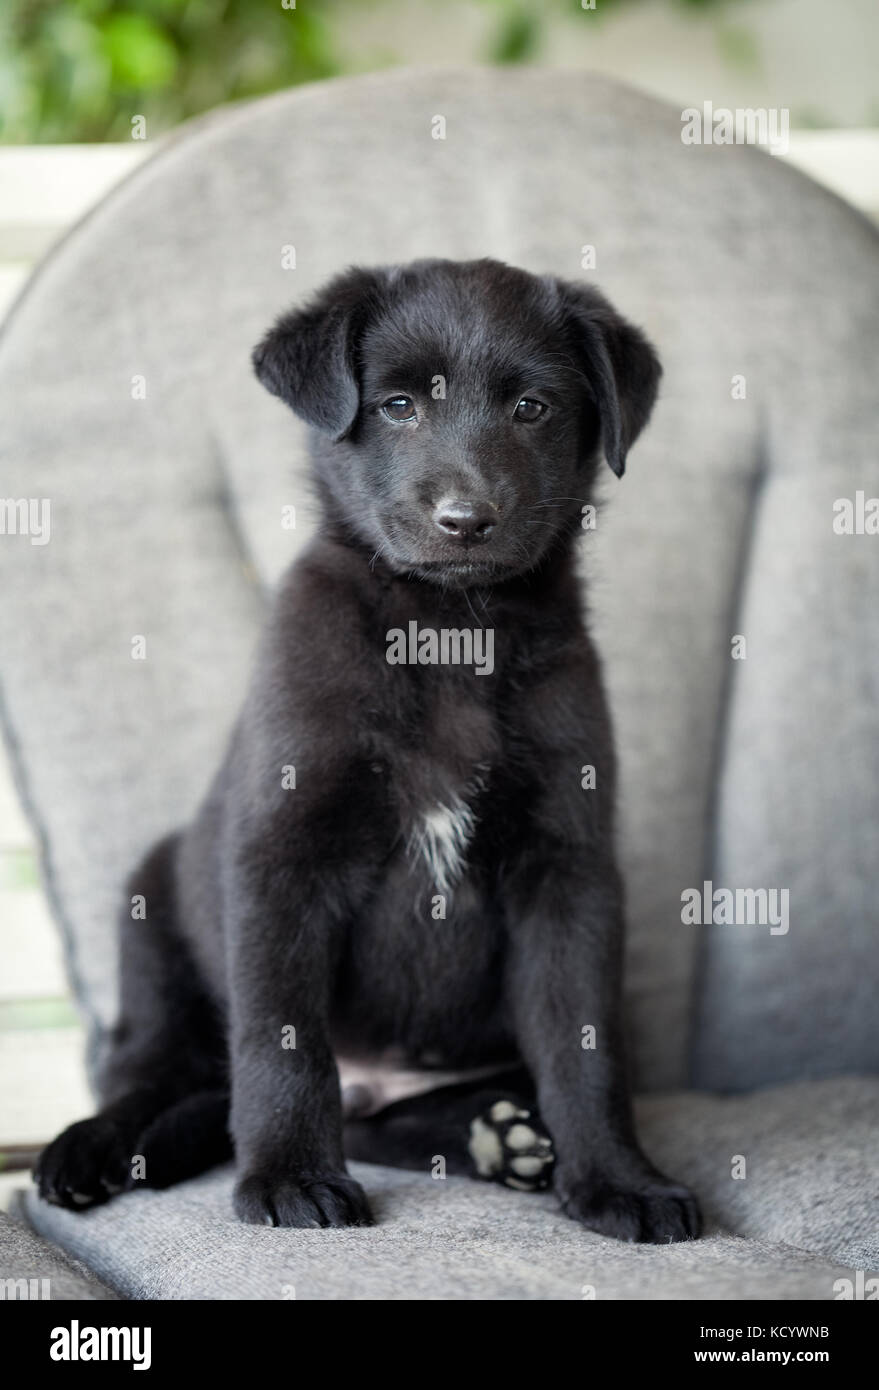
[(167, 1045), (476, 1131), (185, 1140)]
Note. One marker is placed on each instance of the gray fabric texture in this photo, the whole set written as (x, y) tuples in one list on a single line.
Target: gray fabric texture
[(811, 1172), (808, 1205), (166, 512), (47, 1272)]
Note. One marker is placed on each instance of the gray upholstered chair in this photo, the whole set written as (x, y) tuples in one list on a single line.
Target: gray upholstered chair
[(127, 399)]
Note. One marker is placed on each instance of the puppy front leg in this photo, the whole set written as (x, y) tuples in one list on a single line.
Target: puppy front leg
[(286, 1117), (564, 982)]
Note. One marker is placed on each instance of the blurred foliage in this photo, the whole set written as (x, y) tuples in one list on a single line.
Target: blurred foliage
[(18, 870), (79, 70)]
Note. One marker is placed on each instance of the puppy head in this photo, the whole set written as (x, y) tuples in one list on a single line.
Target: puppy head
[(460, 407)]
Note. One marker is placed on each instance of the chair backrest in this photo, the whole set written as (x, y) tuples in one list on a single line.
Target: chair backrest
[(128, 402)]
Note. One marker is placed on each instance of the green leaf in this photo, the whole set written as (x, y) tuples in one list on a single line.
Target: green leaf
[(141, 56), (517, 40)]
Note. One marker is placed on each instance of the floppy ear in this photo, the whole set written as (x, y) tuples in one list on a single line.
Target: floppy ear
[(621, 365), (308, 358)]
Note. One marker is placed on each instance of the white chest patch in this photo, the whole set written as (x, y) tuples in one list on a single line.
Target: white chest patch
[(441, 838)]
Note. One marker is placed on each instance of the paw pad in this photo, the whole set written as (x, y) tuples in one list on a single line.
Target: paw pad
[(509, 1145)]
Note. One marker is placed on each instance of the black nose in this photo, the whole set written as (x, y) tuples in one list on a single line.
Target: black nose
[(471, 522)]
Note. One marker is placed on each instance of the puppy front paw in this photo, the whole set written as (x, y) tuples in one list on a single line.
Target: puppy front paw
[(654, 1211), (312, 1199)]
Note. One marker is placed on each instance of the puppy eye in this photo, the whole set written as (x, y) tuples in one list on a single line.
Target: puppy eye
[(529, 410), (399, 409)]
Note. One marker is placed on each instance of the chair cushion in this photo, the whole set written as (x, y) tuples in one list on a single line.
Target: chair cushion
[(41, 1271), (800, 1218)]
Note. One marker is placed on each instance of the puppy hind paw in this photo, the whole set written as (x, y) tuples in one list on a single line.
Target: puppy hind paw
[(85, 1166), (508, 1144)]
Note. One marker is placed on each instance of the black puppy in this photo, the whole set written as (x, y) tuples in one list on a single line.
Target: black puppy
[(398, 861)]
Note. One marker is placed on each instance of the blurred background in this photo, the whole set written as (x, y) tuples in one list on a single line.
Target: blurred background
[(88, 86), (78, 70)]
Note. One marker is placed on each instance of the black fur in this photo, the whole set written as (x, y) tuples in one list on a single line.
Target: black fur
[(307, 906)]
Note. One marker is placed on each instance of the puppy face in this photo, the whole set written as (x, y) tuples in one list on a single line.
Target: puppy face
[(461, 406)]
